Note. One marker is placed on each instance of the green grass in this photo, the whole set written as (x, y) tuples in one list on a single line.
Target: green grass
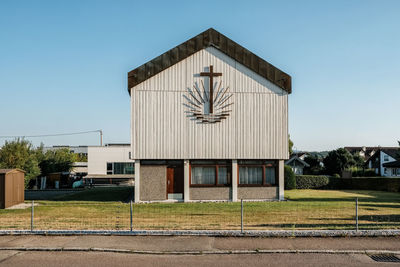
[(306, 209)]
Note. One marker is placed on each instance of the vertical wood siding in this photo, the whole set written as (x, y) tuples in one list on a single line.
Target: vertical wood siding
[(257, 127)]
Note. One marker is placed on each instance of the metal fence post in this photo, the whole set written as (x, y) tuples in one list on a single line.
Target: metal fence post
[(32, 211), (241, 216), (356, 213), (131, 216)]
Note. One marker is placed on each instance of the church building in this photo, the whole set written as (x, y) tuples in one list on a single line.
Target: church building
[(209, 121)]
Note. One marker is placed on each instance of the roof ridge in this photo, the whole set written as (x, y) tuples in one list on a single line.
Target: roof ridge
[(207, 38)]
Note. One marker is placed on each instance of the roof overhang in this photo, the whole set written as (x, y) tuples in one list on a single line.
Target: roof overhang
[(206, 39)]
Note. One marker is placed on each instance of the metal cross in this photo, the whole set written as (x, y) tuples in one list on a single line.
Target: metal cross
[(211, 74)]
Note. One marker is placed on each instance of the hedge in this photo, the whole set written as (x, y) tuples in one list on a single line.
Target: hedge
[(311, 181), (357, 183)]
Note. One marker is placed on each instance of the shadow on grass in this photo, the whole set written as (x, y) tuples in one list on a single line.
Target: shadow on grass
[(106, 194), (325, 226), (391, 206), (395, 218)]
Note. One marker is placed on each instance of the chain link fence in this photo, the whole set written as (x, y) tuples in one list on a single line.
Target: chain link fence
[(345, 214)]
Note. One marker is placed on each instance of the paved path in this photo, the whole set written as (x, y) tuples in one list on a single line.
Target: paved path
[(201, 243), (206, 251)]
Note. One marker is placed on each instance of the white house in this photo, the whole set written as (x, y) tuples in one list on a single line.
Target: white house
[(386, 162), (209, 121), (297, 164), (110, 162)]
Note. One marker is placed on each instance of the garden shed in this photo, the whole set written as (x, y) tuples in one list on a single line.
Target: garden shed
[(11, 187)]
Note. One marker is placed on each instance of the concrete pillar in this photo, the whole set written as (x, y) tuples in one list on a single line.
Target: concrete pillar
[(234, 180), (137, 181), (281, 176), (186, 181)]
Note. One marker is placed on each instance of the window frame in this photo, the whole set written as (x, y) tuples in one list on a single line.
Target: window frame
[(216, 166), (113, 168), (274, 164)]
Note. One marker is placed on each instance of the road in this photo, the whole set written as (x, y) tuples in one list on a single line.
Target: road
[(15, 258), (190, 244)]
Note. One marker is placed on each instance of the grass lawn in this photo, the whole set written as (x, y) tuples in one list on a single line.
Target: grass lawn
[(306, 209)]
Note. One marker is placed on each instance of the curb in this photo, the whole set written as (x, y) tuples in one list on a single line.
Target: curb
[(214, 233), (200, 252)]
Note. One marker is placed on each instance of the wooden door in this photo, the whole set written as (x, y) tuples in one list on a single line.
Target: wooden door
[(170, 181)]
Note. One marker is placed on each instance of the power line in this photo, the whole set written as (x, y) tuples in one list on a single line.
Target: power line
[(48, 135)]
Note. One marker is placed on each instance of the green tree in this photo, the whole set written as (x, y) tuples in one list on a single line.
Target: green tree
[(315, 167), (290, 146), (20, 154), (358, 161), (338, 160), (59, 160)]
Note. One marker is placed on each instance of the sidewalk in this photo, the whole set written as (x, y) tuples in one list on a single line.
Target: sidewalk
[(199, 244)]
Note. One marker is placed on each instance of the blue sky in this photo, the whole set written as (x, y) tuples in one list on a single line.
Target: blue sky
[(64, 64)]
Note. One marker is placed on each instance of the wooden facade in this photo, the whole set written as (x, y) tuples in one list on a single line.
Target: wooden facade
[(208, 100), (257, 127)]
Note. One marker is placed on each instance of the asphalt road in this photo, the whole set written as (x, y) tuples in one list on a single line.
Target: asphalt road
[(11, 256), (98, 259)]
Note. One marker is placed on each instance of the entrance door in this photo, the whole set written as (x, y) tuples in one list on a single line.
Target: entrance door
[(175, 182), (170, 181)]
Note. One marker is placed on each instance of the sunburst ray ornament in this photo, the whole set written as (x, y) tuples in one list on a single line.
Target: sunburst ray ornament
[(208, 106)]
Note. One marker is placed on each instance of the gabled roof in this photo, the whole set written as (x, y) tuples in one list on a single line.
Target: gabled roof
[(296, 158), (206, 39), (394, 152)]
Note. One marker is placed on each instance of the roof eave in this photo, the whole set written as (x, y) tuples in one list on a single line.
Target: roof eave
[(206, 39)]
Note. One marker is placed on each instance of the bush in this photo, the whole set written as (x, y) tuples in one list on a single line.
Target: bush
[(290, 178), (312, 181)]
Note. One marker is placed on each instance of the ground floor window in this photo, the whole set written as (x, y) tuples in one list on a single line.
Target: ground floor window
[(210, 173), (120, 168), (257, 173)]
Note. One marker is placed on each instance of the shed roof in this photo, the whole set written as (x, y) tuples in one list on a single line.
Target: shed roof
[(2, 171), (206, 39)]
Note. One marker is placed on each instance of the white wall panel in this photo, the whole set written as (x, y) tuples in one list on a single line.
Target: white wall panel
[(256, 127)]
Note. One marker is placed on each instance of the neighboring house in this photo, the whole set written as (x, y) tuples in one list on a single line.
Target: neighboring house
[(363, 151), (386, 162), (297, 164), (110, 163), (209, 121)]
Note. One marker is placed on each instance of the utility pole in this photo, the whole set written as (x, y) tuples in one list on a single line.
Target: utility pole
[(101, 137)]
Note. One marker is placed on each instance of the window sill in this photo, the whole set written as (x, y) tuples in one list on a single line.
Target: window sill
[(257, 185), (208, 185)]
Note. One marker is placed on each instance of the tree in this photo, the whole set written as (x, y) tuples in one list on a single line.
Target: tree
[(290, 146), (315, 166), (338, 160), (358, 161), (20, 154), (59, 160)]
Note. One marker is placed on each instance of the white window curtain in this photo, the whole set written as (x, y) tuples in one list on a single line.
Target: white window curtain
[(203, 175), (270, 175), (222, 175), (250, 175)]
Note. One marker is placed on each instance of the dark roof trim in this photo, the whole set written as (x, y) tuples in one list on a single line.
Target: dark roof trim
[(392, 164), (296, 158), (206, 39)]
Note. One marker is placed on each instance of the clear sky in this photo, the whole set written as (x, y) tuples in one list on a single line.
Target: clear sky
[(64, 64)]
